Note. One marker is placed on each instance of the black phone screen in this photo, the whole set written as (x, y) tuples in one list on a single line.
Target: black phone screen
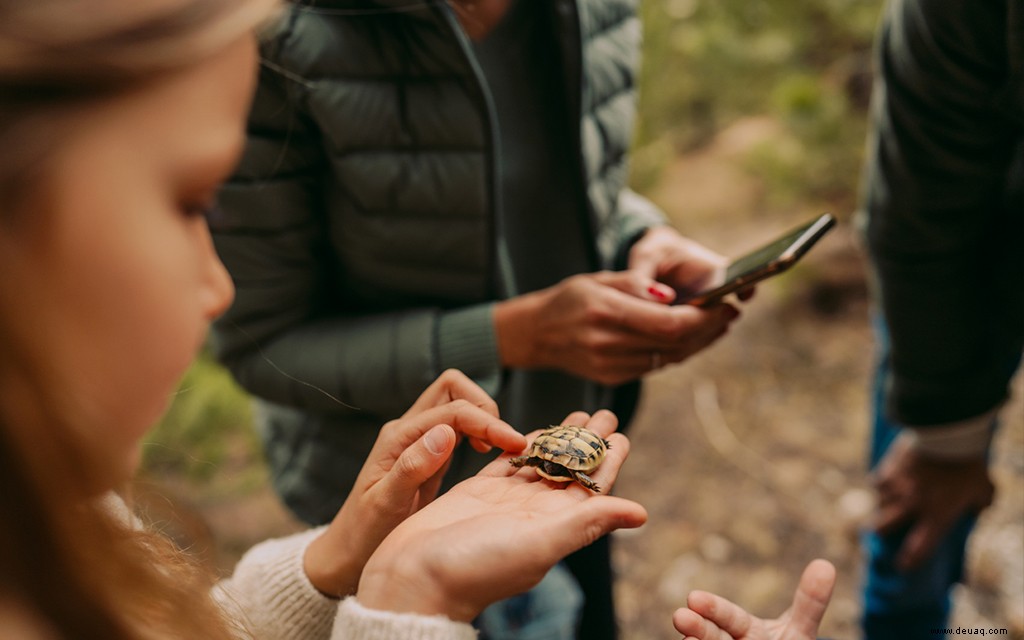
[(772, 258), (758, 259)]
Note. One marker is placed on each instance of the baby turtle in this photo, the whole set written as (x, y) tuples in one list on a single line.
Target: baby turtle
[(565, 453)]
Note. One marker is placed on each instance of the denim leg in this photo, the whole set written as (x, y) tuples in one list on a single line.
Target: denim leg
[(897, 605), (549, 611)]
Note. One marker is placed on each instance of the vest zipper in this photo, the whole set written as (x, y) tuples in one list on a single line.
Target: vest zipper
[(499, 270)]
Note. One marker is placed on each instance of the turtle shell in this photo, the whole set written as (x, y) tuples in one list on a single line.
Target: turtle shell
[(573, 447)]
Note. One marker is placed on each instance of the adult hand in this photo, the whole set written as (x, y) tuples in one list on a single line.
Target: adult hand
[(711, 617), (402, 474), (926, 496), (662, 254), (607, 327), (495, 535)]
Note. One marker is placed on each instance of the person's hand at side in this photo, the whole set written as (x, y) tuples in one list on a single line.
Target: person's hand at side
[(710, 617), (495, 535), (608, 327), (926, 496), (402, 474)]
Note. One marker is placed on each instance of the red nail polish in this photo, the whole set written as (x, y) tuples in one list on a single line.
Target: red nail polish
[(657, 293)]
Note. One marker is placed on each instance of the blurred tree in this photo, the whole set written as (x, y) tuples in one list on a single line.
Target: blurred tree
[(707, 63)]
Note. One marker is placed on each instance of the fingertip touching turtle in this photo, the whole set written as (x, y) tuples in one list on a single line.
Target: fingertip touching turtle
[(565, 453)]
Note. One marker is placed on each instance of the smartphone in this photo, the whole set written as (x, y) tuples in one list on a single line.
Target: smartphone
[(773, 258)]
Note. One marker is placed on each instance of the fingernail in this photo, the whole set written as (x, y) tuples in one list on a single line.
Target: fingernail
[(657, 293), (436, 440)]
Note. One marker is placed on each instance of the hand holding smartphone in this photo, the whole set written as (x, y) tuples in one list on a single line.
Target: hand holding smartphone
[(771, 259)]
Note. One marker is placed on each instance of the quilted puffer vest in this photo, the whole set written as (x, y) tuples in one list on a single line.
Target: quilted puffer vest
[(387, 98)]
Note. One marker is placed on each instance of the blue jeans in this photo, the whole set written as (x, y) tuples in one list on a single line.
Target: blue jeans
[(549, 611), (898, 605)]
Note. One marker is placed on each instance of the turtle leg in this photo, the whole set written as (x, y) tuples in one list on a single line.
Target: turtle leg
[(585, 480), (523, 461)]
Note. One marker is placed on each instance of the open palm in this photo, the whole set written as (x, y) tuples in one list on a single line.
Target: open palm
[(495, 535), (711, 617), (403, 473)]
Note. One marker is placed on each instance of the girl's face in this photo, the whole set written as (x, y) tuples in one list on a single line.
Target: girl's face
[(114, 270)]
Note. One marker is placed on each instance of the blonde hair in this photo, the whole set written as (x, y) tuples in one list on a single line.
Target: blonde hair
[(76, 571), (56, 55)]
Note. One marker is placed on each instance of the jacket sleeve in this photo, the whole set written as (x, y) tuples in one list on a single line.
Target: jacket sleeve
[(940, 235), (288, 338), (636, 214)]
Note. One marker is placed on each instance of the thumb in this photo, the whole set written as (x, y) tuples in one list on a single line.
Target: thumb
[(418, 464), (585, 522), (811, 599)]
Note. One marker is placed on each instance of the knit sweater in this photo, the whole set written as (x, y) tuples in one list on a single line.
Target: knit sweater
[(944, 205), (269, 597)]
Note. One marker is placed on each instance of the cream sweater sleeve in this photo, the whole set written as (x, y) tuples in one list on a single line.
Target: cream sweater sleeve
[(357, 622), (270, 598)]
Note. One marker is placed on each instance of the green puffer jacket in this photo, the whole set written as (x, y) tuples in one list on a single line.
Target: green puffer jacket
[(362, 228)]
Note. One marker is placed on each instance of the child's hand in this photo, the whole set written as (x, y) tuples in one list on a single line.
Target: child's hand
[(495, 535), (711, 617), (403, 473)]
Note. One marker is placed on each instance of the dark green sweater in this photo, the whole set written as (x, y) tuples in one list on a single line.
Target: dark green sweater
[(944, 196)]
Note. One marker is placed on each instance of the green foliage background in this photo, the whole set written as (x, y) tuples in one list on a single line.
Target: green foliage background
[(806, 62), (206, 433)]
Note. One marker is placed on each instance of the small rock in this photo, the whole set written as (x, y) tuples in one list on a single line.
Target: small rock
[(855, 507), (715, 548), (676, 582)]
